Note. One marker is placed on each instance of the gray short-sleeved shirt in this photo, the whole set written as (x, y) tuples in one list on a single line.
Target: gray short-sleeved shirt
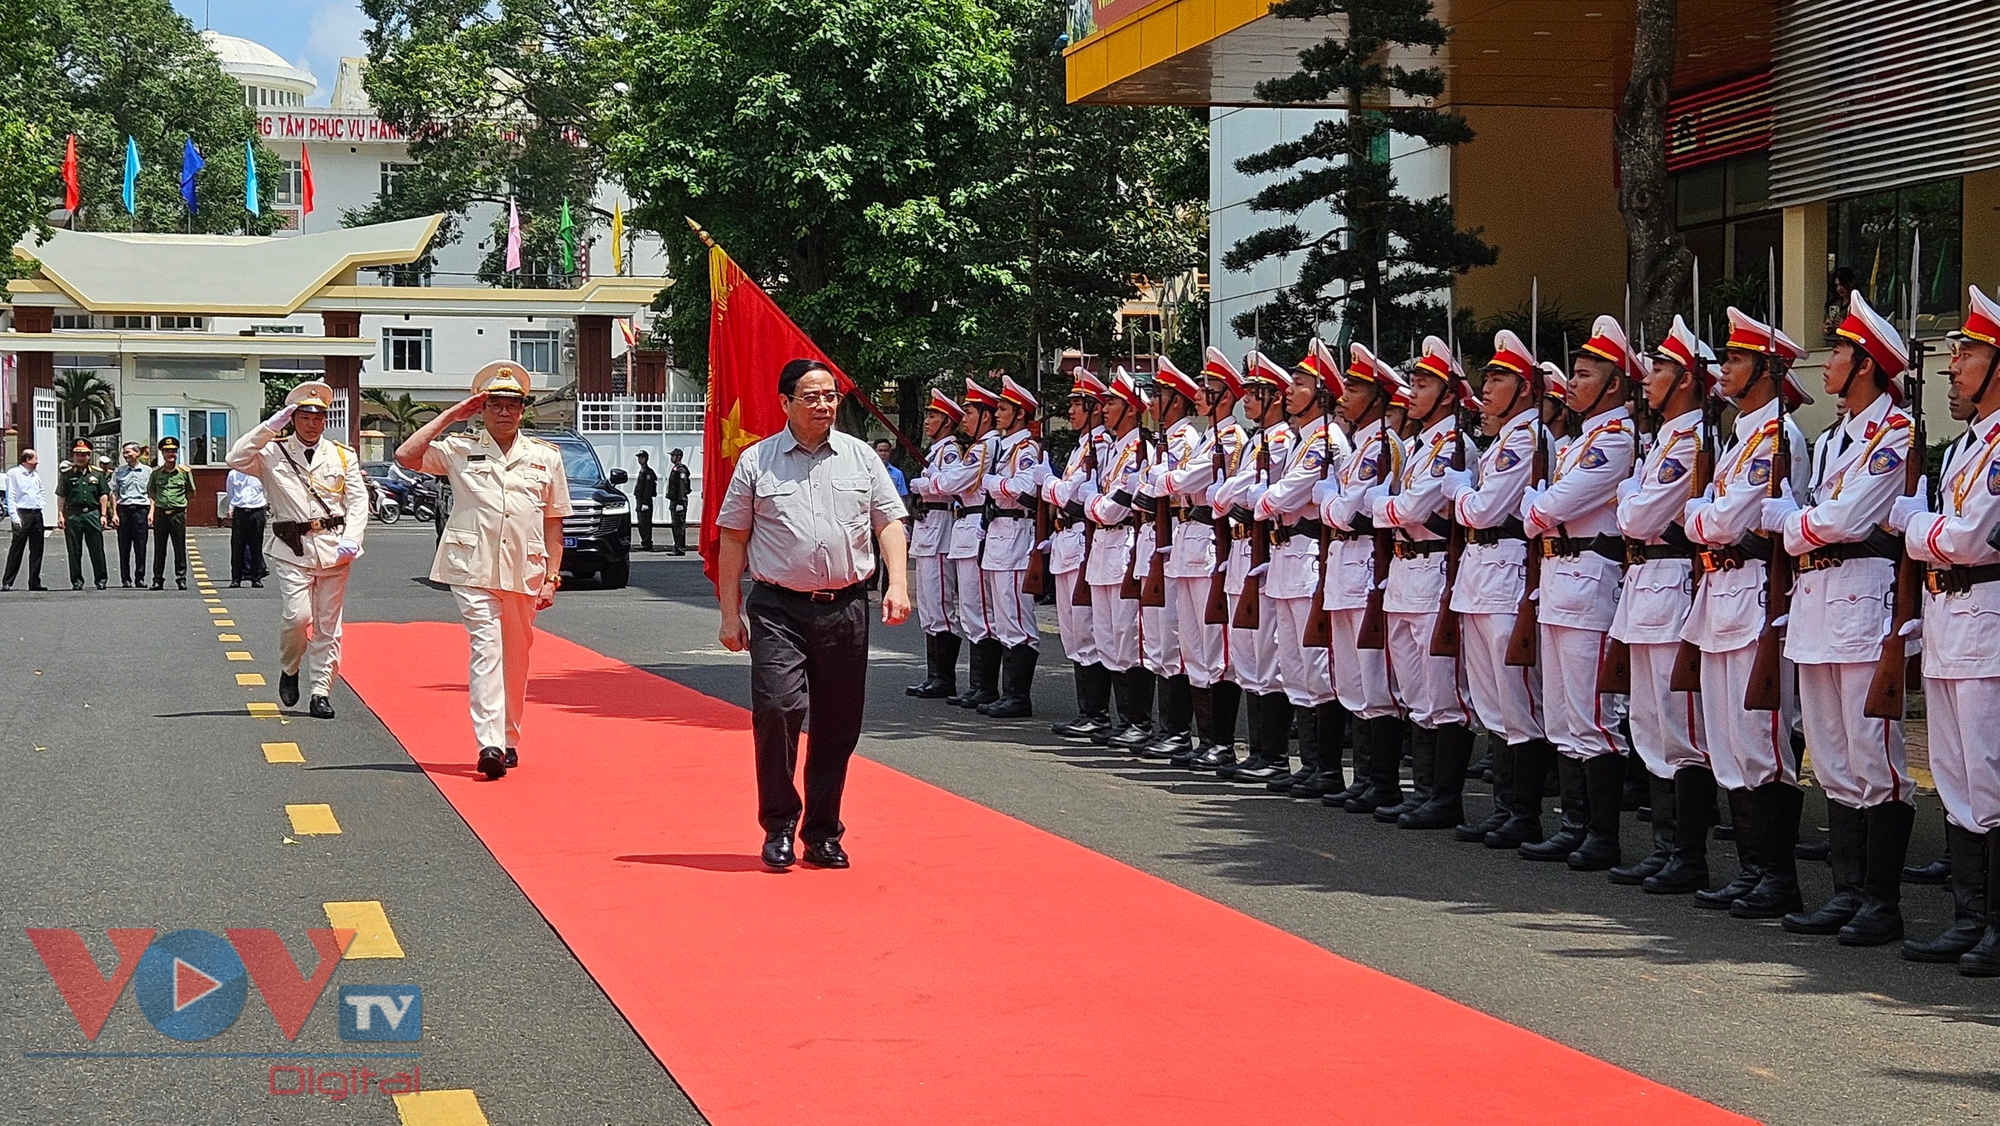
[(810, 513)]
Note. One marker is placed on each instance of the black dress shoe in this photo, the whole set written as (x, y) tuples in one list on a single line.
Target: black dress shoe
[(1284, 783), (159, 584), (1720, 898), (1596, 854), (492, 762), (513, 758), (1936, 872), (1677, 878), (1166, 745), (1567, 839), (258, 583), (234, 583), (1216, 757), (1476, 833), (1774, 897), (100, 584), (288, 688), (1634, 875), (1255, 770), (1132, 738), (76, 586), (320, 708), (1374, 798), (825, 854), (37, 587), (1833, 915), (180, 584), (1515, 832), (1390, 814), (778, 850), (1876, 924), (1079, 728)]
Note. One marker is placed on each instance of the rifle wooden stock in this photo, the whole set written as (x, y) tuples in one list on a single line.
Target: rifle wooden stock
[(1080, 596), (1445, 632), (1524, 645), (1036, 581), (1216, 613), (1374, 631), (1686, 676), (1319, 623), (1614, 670), (1888, 688), (1249, 612), (1762, 693), (1132, 587), (1153, 592)]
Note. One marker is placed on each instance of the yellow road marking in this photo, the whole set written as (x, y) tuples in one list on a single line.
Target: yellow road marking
[(263, 710), (222, 622), (213, 601), (439, 1108), (227, 637), (372, 936), (282, 752), (217, 610), (250, 679), (312, 820), (239, 655)]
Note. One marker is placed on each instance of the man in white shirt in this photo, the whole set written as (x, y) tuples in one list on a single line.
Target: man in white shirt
[(246, 528), (25, 502)]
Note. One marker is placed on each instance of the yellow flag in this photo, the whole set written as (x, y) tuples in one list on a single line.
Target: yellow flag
[(617, 237)]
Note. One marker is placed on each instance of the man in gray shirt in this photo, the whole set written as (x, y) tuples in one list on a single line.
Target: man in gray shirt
[(133, 514), (798, 514)]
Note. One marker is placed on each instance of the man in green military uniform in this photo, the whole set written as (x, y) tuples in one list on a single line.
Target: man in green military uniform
[(170, 489), (83, 492)]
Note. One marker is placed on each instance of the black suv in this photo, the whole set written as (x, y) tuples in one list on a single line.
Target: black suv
[(597, 537)]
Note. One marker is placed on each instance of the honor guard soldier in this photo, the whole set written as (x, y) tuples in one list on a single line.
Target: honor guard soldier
[(1847, 573), (965, 485), (1430, 688), (1575, 518), (1114, 616), (1492, 578), (1252, 643), (83, 496), (1178, 399), (1319, 449), (1749, 749), (316, 503), (935, 579), (1666, 725), (170, 488), (1011, 487), (1961, 662), (1356, 565), (502, 548), (1069, 548), (1199, 563)]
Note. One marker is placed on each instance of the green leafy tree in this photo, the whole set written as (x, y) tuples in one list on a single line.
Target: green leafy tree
[(28, 167), (403, 412), (1389, 254), (83, 399)]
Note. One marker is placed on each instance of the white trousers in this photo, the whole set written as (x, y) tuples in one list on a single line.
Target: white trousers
[(1360, 676), (937, 593), (502, 625), (1253, 660), (1013, 612), (1507, 700), (975, 613), (1667, 728), (1746, 749), (1159, 630), (1431, 689), (1076, 624), (1306, 674), (1115, 621), (1200, 643), (309, 611), (1965, 760), (1858, 761), (1581, 721)]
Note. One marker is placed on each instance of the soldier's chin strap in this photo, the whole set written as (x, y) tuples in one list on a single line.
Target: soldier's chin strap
[(1992, 365)]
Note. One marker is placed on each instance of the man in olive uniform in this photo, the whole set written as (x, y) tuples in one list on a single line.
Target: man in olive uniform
[(645, 487), (170, 488), (83, 493)]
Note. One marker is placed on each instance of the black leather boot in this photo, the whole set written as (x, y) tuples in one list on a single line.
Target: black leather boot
[(1385, 766), (1271, 757), (1017, 700), (1445, 807), (1983, 960), (1201, 708), (923, 688), (1225, 700), (1936, 872), (985, 688), (1253, 737), (1575, 826), (1743, 813), (947, 668), (1661, 799), (1500, 760), (1306, 720), (1423, 772), (1880, 920), (1847, 833), (1965, 853), (1093, 701), (1330, 736), (974, 659), (1135, 710), (1694, 816), (1176, 730), (1533, 760), (1604, 781), (1777, 893)]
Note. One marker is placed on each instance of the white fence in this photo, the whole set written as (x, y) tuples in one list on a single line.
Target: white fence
[(620, 426)]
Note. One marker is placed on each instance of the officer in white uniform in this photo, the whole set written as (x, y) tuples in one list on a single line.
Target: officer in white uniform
[(1179, 400), (1361, 675), (1962, 645), (1840, 610), (1492, 575), (501, 552), (1254, 652), (1011, 489), (317, 512), (936, 580), (1666, 725), (965, 484), (1576, 519), (1068, 548), (1750, 751), (1108, 505), (1192, 568)]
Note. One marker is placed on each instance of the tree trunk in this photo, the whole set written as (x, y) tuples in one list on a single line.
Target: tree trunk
[(1656, 260)]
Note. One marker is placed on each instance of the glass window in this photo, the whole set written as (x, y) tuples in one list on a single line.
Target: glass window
[(1870, 237), (535, 350), (122, 323), (181, 324), (76, 322), (186, 367), (1749, 184), (392, 174), (291, 184), (1699, 195), (406, 349), (166, 424)]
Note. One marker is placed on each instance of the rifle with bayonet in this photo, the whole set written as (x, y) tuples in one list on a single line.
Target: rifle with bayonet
[(1036, 581), (1249, 614), (1133, 586), (1216, 613), (1762, 693), (1614, 669), (1686, 676), (1319, 622), (1153, 592), (1445, 633), (1080, 595), (1524, 645), (1893, 670), (1374, 630)]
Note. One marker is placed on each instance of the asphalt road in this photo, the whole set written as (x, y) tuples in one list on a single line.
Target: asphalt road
[(153, 807)]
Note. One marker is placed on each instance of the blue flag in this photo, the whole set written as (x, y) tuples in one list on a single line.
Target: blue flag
[(191, 163), (131, 175), (250, 179)]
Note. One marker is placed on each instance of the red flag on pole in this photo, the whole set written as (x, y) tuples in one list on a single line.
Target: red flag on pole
[(306, 184), (72, 193)]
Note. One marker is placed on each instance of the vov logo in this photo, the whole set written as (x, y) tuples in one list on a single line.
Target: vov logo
[(192, 985)]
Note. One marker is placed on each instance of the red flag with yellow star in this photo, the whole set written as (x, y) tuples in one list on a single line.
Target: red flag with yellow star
[(749, 340)]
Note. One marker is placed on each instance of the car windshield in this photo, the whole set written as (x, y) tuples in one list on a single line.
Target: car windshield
[(580, 463)]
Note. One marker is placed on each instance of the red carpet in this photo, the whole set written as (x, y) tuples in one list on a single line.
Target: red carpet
[(969, 969)]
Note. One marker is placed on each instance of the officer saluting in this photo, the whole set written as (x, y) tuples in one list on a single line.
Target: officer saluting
[(317, 512), (84, 493), (502, 549)]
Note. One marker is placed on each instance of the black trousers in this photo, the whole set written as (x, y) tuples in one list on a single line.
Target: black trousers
[(84, 531), (170, 527), (679, 509), (246, 544), (133, 524), (644, 509), (808, 664), (28, 536)]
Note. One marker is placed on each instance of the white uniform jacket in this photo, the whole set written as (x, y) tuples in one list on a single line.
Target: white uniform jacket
[(1353, 554), (494, 539), (1319, 452), (1962, 630), (965, 485), (1078, 481), (1245, 487), (330, 485), (927, 538), (1186, 468), (1491, 575), (1840, 613), (1011, 488), (1416, 511), (1728, 609), (1580, 587), (1111, 510), (1657, 594)]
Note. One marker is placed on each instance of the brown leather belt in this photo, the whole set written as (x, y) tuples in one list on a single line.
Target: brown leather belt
[(1960, 580)]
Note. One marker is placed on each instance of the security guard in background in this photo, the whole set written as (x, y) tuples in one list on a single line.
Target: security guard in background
[(83, 494), (502, 550), (317, 504)]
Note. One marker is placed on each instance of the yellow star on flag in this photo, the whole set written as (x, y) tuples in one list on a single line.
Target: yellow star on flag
[(735, 439)]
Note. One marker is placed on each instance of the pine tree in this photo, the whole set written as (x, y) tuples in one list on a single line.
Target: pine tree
[(1384, 262)]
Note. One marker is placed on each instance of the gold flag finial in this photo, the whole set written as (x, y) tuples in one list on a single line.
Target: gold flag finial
[(703, 235)]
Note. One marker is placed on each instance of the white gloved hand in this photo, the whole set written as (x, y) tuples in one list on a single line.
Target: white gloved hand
[(1528, 498), (919, 484), (1912, 628), (1261, 509), (277, 422), (1904, 509), (1257, 571), (990, 482), (1781, 621), (1693, 509), (1456, 483), (1325, 491), (1375, 493), (1628, 488), (345, 550), (1771, 519)]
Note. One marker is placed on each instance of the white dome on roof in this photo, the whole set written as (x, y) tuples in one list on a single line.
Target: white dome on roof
[(254, 63)]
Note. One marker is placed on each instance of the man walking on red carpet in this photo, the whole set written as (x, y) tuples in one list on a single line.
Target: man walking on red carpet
[(797, 514)]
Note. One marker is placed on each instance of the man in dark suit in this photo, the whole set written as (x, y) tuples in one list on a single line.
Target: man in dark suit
[(644, 489), (680, 485)]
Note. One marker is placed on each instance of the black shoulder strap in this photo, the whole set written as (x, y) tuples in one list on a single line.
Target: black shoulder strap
[(304, 476)]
